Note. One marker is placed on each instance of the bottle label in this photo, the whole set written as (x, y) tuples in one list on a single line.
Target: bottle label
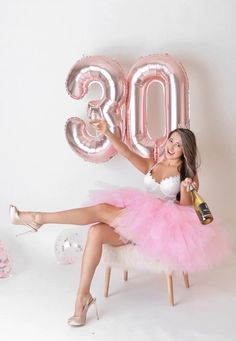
[(204, 209), (204, 214)]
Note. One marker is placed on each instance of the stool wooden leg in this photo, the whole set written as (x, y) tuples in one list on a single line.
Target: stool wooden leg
[(170, 289), (186, 280), (126, 275), (107, 281)]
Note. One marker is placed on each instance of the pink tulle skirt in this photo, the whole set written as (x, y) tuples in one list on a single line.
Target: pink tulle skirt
[(165, 230)]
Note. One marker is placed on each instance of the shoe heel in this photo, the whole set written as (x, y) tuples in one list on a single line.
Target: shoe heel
[(22, 233), (96, 309)]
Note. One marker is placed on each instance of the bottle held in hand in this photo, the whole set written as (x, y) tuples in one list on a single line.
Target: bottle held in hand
[(201, 207)]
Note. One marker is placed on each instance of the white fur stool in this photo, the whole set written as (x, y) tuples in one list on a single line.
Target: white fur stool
[(127, 257)]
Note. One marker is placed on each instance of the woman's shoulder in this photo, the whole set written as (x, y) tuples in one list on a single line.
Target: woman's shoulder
[(161, 164), (151, 164)]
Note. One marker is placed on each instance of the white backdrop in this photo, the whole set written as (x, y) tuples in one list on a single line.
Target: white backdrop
[(41, 40)]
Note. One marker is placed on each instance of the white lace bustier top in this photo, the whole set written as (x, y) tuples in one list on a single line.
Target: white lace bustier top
[(168, 188)]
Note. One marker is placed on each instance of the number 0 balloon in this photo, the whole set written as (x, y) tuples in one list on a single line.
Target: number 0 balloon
[(171, 75)]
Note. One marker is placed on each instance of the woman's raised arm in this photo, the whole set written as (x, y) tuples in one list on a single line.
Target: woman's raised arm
[(141, 163)]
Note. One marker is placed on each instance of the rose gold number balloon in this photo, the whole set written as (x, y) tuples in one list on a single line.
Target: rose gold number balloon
[(172, 76), (109, 75)]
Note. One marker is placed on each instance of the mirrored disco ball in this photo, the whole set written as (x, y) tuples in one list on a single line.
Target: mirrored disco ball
[(68, 249)]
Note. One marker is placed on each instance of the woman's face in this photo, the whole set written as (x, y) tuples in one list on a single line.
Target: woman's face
[(173, 147)]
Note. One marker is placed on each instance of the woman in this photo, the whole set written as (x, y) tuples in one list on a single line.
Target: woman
[(161, 222)]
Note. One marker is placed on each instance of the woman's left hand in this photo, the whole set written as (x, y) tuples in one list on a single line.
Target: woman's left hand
[(186, 182)]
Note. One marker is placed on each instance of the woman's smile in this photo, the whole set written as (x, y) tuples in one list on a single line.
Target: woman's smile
[(173, 148)]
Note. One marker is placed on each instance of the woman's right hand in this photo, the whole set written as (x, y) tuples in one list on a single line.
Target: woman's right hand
[(102, 127), (141, 163)]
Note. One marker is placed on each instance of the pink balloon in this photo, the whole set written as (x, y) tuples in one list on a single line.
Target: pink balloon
[(5, 267), (171, 74), (109, 75)]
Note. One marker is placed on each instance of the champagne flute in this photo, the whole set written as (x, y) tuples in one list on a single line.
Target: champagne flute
[(95, 119)]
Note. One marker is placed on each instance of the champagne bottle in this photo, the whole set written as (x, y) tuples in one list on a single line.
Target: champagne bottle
[(201, 207)]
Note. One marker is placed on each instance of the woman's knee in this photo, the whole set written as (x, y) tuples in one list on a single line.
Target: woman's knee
[(105, 213), (102, 209), (96, 232), (104, 234)]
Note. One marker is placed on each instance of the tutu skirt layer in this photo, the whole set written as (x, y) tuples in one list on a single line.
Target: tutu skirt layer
[(164, 230)]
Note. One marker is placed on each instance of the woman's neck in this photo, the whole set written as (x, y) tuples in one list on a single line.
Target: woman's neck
[(173, 163)]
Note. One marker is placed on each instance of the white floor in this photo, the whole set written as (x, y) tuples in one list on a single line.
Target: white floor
[(39, 297)]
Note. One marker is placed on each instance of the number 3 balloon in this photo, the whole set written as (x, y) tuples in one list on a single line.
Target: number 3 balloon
[(108, 73)]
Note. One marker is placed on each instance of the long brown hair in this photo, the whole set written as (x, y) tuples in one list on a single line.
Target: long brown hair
[(190, 158)]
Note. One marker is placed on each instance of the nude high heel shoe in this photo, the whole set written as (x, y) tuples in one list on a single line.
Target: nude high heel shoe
[(78, 321), (16, 220)]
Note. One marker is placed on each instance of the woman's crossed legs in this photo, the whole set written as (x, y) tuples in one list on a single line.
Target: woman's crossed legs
[(102, 216)]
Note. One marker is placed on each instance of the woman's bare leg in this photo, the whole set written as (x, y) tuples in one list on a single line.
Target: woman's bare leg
[(78, 216), (98, 235)]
